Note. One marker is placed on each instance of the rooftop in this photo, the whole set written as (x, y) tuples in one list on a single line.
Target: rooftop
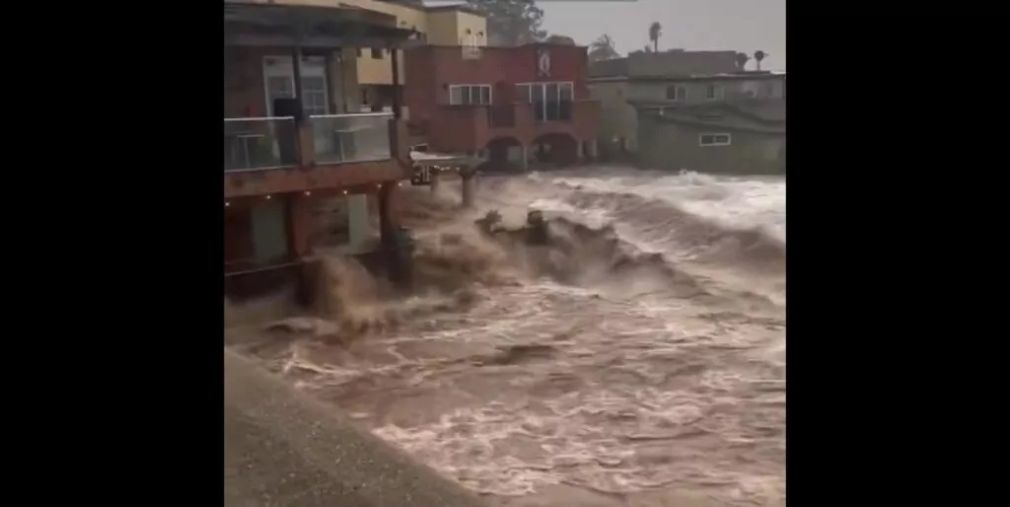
[(461, 7), (667, 63), (259, 24)]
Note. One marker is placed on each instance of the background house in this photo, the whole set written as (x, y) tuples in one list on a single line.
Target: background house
[(642, 83), (510, 104), (732, 138)]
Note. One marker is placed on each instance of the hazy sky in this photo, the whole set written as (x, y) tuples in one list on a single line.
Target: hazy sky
[(743, 25)]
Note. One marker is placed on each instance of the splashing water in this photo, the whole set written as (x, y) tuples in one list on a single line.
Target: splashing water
[(638, 359)]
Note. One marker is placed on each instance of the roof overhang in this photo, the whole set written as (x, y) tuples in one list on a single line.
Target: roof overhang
[(742, 76), (309, 27)]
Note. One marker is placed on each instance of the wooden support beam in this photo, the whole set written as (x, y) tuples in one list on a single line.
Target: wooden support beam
[(396, 82)]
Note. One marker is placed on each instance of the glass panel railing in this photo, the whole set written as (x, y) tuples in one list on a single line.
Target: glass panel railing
[(259, 143), (351, 137)]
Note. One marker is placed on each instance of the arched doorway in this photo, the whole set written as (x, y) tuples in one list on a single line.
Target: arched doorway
[(504, 154), (556, 149)]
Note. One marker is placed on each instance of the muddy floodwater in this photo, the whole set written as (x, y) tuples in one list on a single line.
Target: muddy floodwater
[(637, 359)]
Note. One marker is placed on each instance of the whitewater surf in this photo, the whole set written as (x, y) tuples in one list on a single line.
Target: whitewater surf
[(637, 359)]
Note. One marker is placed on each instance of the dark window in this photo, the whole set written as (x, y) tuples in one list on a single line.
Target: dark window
[(364, 96), (377, 53), (712, 92), (714, 139), (676, 92)]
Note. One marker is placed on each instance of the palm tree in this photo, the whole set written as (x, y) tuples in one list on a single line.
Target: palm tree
[(758, 56), (603, 49), (741, 60), (655, 30)]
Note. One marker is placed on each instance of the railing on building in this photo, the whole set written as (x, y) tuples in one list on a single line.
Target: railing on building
[(341, 138), (259, 143)]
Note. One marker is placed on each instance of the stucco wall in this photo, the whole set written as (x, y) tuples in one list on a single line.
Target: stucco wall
[(448, 28), (618, 118), (674, 147), (443, 29)]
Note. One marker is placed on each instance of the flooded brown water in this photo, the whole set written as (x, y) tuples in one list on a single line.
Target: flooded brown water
[(639, 360)]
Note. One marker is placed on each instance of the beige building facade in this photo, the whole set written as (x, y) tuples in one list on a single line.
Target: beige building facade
[(364, 76)]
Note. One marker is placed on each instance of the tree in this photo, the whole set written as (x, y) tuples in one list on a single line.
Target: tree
[(741, 60), (511, 22), (655, 30), (758, 56), (602, 49), (561, 39)]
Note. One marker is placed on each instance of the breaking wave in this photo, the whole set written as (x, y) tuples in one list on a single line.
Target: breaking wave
[(637, 352)]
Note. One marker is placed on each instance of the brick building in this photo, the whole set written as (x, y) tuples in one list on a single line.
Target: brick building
[(512, 105)]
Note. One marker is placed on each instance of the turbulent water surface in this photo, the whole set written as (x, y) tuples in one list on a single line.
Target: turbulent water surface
[(639, 360)]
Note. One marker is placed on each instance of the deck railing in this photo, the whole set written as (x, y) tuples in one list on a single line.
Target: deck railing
[(259, 143), (342, 138)]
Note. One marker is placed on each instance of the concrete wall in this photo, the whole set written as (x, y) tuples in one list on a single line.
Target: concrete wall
[(674, 147)]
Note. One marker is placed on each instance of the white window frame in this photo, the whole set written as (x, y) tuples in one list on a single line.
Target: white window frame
[(490, 93), (287, 70), (679, 93), (729, 139), (543, 86)]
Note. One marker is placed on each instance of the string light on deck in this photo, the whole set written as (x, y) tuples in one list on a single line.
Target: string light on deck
[(269, 197), (307, 192), (345, 192), (226, 204)]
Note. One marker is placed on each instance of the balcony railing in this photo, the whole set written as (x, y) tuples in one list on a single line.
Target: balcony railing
[(351, 137), (259, 143)]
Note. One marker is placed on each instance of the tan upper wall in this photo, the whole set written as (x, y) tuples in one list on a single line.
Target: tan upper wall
[(450, 28), (440, 26)]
